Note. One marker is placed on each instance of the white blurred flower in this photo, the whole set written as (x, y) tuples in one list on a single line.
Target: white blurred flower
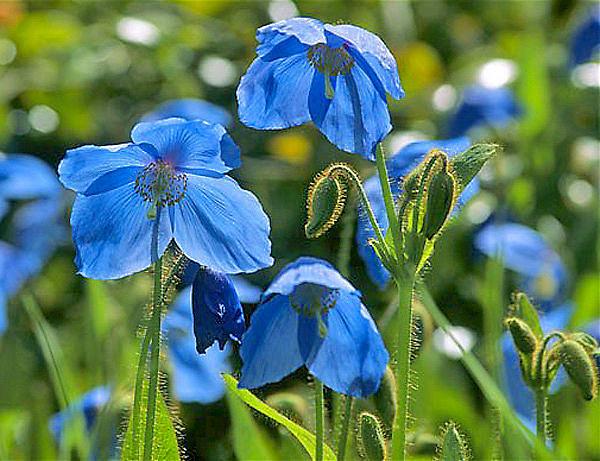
[(446, 344), (138, 31), (497, 73)]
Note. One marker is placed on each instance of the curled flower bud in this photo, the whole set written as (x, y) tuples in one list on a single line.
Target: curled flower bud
[(525, 340), (580, 367), (325, 203), (371, 443)]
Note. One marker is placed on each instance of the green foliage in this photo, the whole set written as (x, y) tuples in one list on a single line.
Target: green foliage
[(467, 164), (454, 446)]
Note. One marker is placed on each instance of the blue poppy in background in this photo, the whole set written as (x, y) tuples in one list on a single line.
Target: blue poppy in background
[(482, 106), (32, 204), (399, 165), (195, 377), (312, 316), (585, 43), (519, 394), (335, 76), (523, 250), (89, 405), (176, 165), (189, 109)]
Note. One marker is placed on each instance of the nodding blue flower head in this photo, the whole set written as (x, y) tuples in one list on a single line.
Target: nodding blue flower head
[(312, 316), (335, 76), (195, 377), (89, 405), (399, 165), (218, 314), (29, 189), (170, 181), (481, 106), (585, 43), (189, 109), (523, 250), (519, 394)]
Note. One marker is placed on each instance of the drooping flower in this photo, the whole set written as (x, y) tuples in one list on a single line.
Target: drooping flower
[(523, 250), (335, 76), (519, 394), (481, 106), (89, 405), (399, 165), (189, 109), (585, 43), (172, 177), (29, 189), (312, 316), (195, 377)]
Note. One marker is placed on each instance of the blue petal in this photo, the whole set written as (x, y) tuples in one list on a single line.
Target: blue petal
[(269, 349), (190, 145), (222, 226), (378, 274), (24, 177), (3, 316), (357, 118), (189, 109), (90, 170), (112, 233), (376, 55), (195, 377), (351, 334), (274, 95), (288, 37), (218, 314), (308, 270), (585, 42)]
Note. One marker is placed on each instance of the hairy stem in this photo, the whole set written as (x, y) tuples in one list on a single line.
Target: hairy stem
[(341, 450), (541, 412), (319, 419), (402, 365), (387, 197)]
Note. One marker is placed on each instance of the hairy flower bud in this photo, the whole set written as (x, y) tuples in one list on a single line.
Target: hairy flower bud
[(371, 442), (385, 398), (325, 203), (525, 340), (441, 196), (580, 368), (453, 445)]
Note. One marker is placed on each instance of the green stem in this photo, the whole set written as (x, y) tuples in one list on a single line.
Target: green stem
[(154, 333), (387, 197), (402, 365), (139, 382), (319, 419), (541, 402), (345, 428)]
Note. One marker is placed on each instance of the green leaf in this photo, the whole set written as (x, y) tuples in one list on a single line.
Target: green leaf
[(526, 312), (249, 441), (302, 435), (468, 163), (164, 444)]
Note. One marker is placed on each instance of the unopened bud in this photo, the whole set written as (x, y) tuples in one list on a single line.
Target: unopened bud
[(325, 203), (371, 442), (524, 339), (385, 398), (441, 196), (580, 367), (454, 445)]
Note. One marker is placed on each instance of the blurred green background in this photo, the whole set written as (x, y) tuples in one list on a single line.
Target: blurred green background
[(83, 72)]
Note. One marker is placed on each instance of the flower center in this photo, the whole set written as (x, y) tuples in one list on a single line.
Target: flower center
[(158, 183), (313, 300), (330, 61), (545, 286)]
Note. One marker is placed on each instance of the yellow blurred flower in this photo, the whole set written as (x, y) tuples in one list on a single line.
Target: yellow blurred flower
[(294, 148), (420, 66)]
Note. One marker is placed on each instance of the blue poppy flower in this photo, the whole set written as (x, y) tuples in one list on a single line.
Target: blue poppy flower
[(312, 316), (189, 109), (399, 165), (173, 165), (519, 394), (523, 250), (89, 405), (481, 106), (30, 189), (585, 42), (335, 76)]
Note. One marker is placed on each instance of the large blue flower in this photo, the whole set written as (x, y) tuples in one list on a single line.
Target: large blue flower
[(312, 316), (519, 394), (195, 377), (175, 168), (523, 250), (481, 106), (189, 109), (30, 189), (335, 76), (585, 42), (399, 165)]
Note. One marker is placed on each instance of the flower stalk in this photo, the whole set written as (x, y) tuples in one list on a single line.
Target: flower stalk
[(541, 414), (319, 419)]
